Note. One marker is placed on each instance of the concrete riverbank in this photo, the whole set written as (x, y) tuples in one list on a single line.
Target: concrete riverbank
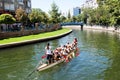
[(112, 29)]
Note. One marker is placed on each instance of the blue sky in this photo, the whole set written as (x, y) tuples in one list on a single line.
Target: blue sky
[(64, 5)]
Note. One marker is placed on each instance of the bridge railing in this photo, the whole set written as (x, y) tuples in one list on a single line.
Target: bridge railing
[(71, 23)]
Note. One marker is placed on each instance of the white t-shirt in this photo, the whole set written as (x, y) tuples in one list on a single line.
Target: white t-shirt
[(48, 51)]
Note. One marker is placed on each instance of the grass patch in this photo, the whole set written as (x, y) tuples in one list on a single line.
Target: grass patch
[(37, 36)]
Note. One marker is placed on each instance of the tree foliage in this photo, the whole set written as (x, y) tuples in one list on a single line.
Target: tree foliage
[(45, 19), (54, 13), (36, 15), (107, 13), (69, 15), (21, 15), (62, 19), (7, 19)]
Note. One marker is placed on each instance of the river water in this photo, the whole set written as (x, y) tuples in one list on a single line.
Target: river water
[(99, 59)]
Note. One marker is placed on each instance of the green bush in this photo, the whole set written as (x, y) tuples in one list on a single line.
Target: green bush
[(7, 19)]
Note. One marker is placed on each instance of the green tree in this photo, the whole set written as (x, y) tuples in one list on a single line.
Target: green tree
[(113, 8), (45, 19), (36, 15), (79, 18), (74, 18), (62, 19), (54, 13), (21, 15), (69, 15), (7, 19), (85, 15)]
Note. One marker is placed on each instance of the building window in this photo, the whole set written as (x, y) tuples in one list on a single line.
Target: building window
[(6, 6), (12, 7), (1, 4), (9, 6), (12, 0), (29, 4), (20, 0), (27, 10), (76, 11)]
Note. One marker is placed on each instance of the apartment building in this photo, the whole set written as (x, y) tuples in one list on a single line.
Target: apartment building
[(10, 6), (76, 11)]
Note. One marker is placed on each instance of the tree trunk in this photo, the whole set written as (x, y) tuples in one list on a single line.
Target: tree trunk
[(81, 27), (36, 26), (22, 28)]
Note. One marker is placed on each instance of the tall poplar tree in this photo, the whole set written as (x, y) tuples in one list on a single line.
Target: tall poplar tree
[(54, 13)]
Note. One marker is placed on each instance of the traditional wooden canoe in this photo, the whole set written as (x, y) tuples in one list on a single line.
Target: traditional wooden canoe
[(46, 66)]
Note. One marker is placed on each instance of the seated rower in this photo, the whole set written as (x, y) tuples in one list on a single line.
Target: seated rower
[(75, 41), (64, 53), (57, 54)]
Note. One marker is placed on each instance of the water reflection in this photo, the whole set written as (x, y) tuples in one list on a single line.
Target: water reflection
[(99, 59)]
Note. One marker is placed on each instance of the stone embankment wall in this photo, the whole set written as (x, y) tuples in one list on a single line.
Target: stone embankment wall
[(4, 35)]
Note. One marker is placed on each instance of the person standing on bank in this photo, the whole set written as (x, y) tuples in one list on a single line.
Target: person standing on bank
[(49, 53), (81, 26)]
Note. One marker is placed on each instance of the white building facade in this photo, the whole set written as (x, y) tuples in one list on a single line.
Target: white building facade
[(90, 4)]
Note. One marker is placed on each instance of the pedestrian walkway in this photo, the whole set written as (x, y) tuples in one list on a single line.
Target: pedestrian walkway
[(95, 27)]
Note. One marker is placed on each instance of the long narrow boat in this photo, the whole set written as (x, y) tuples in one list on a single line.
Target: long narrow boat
[(46, 66)]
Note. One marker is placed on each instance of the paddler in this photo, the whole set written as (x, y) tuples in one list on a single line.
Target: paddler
[(49, 53)]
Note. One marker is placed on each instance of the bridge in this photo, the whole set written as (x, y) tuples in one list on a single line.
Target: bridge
[(72, 23)]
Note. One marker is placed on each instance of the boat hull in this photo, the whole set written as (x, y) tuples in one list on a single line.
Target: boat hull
[(45, 66)]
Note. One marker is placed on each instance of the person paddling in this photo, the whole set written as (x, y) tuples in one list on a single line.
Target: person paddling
[(75, 41), (49, 53)]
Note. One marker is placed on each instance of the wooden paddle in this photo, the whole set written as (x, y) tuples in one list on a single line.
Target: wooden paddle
[(44, 56), (35, 68)]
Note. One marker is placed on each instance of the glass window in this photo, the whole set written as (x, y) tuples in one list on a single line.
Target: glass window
[(9, 6), (20, 0), (12, 7), (27, 10), (12, 0), (1, 4), (6, 6), (29, 4)]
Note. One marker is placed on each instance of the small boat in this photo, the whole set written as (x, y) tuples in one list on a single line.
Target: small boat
[(45, 66)]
